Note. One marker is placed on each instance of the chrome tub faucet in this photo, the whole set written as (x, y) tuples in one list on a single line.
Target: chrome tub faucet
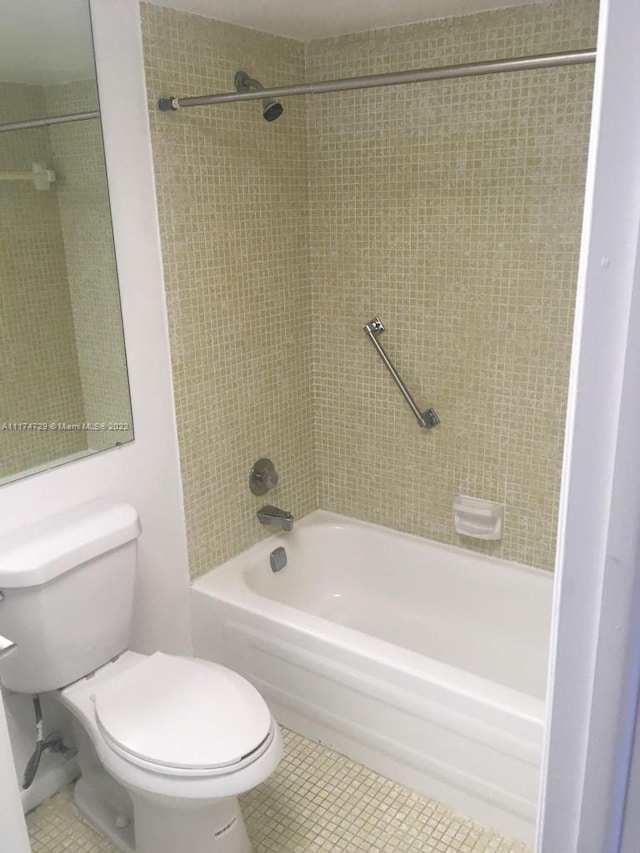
[(277, 517)]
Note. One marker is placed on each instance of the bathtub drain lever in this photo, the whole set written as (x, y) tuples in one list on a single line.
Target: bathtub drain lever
[(278, 559)]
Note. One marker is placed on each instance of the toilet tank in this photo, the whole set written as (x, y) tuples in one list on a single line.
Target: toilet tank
[(67, 586)]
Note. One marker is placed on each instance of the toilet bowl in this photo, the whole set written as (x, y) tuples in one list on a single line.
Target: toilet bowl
[(165, 743), (183, 737)]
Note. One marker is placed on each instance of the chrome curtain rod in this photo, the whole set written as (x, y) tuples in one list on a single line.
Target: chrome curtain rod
[(46, 122), (395, 78)]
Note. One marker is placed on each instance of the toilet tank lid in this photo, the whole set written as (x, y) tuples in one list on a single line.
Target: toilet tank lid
[(47, 549)]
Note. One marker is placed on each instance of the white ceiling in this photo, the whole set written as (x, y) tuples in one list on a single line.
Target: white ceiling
[(45, 42), (309, 19)]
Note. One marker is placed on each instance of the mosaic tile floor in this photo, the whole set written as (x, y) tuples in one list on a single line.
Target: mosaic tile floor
[(317, 801)]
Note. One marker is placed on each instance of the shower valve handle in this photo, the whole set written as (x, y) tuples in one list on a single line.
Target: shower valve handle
[(270, 480)]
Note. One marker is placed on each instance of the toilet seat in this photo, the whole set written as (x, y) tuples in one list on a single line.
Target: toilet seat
[(184, 717), (165, 785)]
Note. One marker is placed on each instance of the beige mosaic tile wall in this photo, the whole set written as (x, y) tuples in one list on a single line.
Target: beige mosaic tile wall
[(232, 192), (39, 379), (83, 201), (453, 210)]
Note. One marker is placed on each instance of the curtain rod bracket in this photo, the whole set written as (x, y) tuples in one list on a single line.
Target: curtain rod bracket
[(168, 105)]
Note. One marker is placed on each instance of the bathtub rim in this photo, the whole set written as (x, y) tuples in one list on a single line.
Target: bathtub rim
[(323, 517)]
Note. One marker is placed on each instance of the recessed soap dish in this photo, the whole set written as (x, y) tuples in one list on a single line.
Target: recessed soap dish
[(477, 518)]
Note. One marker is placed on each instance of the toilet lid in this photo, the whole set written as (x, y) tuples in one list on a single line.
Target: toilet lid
[(182, 713)]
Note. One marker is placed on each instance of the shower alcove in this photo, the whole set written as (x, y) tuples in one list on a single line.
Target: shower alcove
[(452, 208)]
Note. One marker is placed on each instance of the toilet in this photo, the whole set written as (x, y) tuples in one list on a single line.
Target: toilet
[(165, 743)]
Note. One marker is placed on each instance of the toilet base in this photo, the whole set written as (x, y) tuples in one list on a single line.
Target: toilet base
[(213, 828), (102, 801)]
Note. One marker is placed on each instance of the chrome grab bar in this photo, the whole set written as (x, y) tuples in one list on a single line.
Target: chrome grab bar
[(428, 419), (6, 646)]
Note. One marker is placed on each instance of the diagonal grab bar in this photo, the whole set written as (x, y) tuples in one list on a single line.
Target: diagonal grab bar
[(428, 419)]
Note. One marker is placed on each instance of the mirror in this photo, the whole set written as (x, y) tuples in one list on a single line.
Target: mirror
[(64, 390)]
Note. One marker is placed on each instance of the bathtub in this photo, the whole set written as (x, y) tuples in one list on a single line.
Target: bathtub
[(424, 662)]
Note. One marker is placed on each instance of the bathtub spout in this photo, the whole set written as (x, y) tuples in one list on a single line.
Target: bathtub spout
[(278, 517)]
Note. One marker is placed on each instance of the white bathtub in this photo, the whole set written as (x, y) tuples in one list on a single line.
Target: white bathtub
[(424, 662)]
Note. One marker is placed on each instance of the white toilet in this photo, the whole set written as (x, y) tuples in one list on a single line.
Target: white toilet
[(165, 743)]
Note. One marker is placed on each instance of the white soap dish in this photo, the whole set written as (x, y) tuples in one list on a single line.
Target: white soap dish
[(477, 518)]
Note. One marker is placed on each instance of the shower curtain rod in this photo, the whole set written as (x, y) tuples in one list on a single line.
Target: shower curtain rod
[(395, 78), (46, 122)]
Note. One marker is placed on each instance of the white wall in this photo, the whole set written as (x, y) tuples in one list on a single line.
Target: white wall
[(13, 831), (596, 655), (631, 820)]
